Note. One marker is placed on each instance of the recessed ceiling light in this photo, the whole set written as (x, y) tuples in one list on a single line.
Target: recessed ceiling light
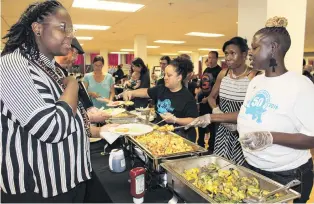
[(83, 38), (209, 49), (127, 50), (81, 44), (119, 52), (173, 54), (90, 27), (209, 35), (152, 46), (107, 5), (185, 51), (169, 41)]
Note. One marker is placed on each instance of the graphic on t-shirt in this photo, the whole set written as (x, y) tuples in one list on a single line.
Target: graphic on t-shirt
[(257, 105), (164, 106)]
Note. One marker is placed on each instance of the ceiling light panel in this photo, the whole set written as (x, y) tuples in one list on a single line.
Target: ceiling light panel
[(170, 41), (208, 35), (208, 49), (90, 27), (107, 5), (83, 38)]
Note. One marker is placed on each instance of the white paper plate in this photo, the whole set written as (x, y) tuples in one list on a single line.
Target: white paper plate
[(114, 111), (115, 103), (131, 129)]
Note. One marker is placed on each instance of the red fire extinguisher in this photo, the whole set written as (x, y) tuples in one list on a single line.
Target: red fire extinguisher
[(137, 176)]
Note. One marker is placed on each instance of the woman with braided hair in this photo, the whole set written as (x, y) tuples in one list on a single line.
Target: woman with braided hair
[(44, 145), (275, 123)]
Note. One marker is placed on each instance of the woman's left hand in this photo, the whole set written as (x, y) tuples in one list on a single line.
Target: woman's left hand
[(168, 117), (256, 140)]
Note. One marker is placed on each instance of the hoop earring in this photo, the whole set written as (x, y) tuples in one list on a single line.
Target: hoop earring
[(272, 62)]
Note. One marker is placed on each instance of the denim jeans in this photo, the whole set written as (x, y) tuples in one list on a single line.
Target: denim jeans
[(303, 173)]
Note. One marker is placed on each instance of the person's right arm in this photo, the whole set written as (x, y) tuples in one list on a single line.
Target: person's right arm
[(138, 93), (31, 101)]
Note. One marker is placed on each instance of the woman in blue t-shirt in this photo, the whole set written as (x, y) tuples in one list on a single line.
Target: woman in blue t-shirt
[(173, 100), (100, 86)]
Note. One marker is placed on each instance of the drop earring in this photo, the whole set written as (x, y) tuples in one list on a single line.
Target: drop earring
[(272, 62)]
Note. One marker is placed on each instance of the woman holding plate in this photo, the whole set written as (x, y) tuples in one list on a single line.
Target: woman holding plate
[(100, 86), (174, 103)]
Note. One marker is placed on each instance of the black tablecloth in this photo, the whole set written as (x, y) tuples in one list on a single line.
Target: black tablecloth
[(115, 185)]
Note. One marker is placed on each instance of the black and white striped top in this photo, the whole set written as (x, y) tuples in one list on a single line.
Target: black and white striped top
[(44, 147)]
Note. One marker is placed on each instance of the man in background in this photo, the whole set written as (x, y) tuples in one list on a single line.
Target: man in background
[(212, 70), (212, 66), (67, 62), (163, 62), (118, 75)]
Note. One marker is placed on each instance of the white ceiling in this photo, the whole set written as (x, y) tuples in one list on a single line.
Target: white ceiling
[(158, 21)]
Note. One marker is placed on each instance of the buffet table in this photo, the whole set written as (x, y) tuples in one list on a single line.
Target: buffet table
[(191, 176), (116, 185)]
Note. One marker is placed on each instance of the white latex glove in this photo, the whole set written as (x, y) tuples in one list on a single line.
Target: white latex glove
[(201, 121), (217, 110), (95, 115), (169, 118), (230, 126), (127, 95), (256, 140)]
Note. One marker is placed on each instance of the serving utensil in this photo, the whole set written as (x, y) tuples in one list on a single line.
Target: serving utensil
[(259, 199)]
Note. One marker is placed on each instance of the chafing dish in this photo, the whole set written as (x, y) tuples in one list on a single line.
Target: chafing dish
[(189, 193), (153, 161), (124, 118)]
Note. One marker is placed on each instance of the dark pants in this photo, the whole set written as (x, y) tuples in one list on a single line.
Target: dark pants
[(304, 173), (75, 195)]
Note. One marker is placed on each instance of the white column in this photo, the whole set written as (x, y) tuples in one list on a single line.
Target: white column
[(195, 56), (295, 12), (140, 49), (122, 59), (252, 16), (104, 53)]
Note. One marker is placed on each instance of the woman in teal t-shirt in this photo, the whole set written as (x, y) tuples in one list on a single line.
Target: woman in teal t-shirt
[(100, 87)]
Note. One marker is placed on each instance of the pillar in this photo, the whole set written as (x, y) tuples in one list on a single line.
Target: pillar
[(104, 53), (140, 49), (252, 16), (195, 56)]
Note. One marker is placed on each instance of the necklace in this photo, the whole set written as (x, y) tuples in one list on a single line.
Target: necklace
[(57, 75), (233, 76)]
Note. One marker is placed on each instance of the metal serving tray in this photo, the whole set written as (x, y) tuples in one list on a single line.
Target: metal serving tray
[(129, 118), (191, 193), (156, 160)]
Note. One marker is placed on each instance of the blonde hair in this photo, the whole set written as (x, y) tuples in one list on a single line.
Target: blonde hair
[(275, 27)]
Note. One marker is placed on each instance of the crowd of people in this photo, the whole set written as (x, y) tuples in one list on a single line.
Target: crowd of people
[(253, 114)]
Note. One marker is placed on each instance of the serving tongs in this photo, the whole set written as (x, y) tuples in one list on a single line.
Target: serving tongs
[(261, 199)]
